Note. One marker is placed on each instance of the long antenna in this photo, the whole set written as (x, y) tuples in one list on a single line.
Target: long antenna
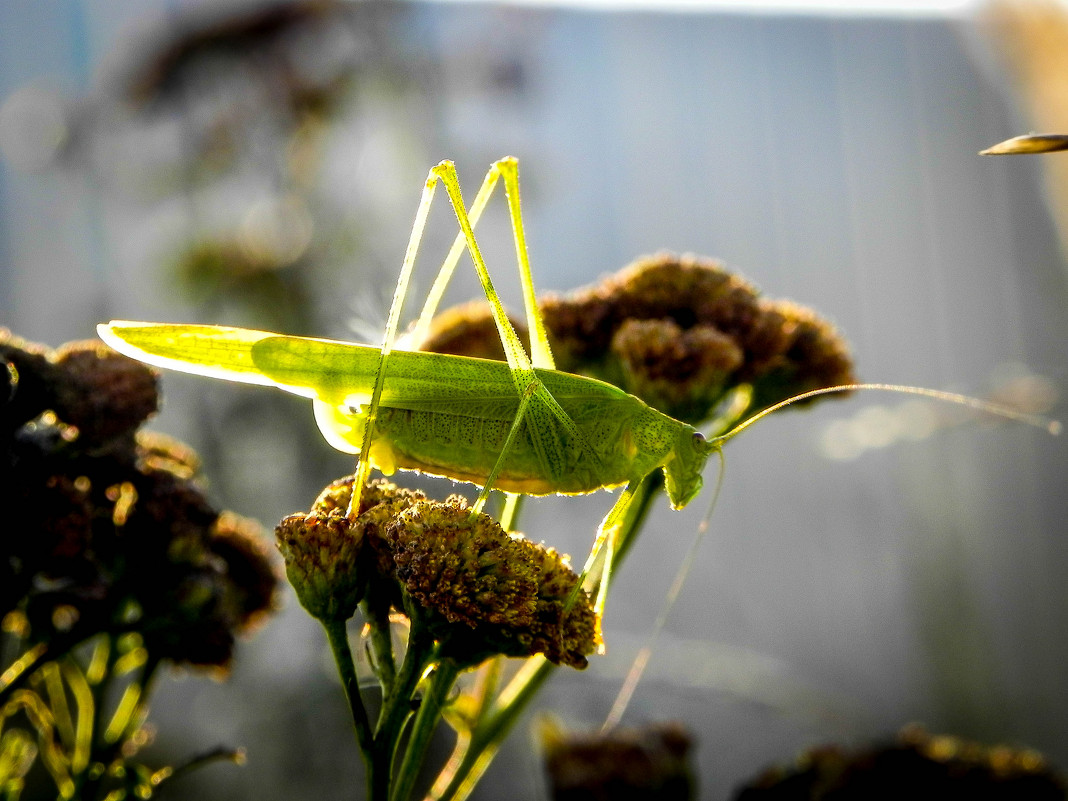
[(997, 409)]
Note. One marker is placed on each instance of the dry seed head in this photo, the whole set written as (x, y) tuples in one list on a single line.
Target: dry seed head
[(380, 502), (565, 628), (335, 497), (103, 393), (464, 567), (332, 560), (468, 330), (672, 368), (917, 765), (156, 451), (109, 523), (488, 592), (681, 332), (647, 762), (240, 543)]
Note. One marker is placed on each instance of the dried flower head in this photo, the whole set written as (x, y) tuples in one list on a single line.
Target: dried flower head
[(467, 330), (331, 560), (681, 332), (30, 375), (487, 592), (103, 393), (650, 763), (105, 527), (917, 765), (156, 451), (321, 554), (463, 566), (253, 580)]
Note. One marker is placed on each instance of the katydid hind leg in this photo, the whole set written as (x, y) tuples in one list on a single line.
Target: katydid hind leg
[(448, 266), (518, 360), (508, 169), (545, 436), (516, 356), (540, 353)]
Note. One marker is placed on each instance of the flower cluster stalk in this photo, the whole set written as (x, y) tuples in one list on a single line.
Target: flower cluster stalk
[(470, 592)]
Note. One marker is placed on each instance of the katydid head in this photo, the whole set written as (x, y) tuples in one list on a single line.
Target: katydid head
[(684, 471)]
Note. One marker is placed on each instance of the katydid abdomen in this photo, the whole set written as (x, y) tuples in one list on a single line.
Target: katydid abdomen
[(464, 443)]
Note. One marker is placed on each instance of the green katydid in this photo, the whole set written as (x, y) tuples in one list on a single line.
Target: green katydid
[(520, 426)]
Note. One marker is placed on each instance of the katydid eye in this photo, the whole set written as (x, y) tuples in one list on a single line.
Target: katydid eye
[(698, 438)]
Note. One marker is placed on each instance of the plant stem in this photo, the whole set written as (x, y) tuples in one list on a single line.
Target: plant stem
[(337, 635), (397, 702), (22, 668), (636, 514), (473, 756), (381, 638), (426, 721)]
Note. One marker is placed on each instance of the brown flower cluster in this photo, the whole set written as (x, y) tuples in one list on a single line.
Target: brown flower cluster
[(479, 590), (680, 332), (918, 765), (106, 529), (651, 762), (333, 561)]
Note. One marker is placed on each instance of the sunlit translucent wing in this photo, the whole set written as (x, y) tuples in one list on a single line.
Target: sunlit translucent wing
[(209, 350)]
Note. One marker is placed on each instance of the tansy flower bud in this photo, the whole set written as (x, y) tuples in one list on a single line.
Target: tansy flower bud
[(643, 763), (918, 765), (486, 592), (330, 558), (321, 553)]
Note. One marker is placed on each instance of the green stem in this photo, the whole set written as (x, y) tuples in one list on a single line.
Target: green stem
[(22, 668), (87, 786), (397, 703), (218, 754), (474, 755), (426, 722), (337, 635), (381, 637), (125, 720)]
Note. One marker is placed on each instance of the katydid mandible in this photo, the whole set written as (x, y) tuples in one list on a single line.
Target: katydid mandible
[(520, 426)]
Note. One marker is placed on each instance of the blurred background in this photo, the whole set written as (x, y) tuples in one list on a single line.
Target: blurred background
[(871, 563)]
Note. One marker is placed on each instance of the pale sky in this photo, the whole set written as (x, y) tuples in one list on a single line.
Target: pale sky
[(894, 7)]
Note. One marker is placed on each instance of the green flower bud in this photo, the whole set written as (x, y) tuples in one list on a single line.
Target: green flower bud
[(321, 553), (333, 561)]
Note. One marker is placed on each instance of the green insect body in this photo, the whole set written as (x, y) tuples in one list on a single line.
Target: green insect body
[(444, 415)]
